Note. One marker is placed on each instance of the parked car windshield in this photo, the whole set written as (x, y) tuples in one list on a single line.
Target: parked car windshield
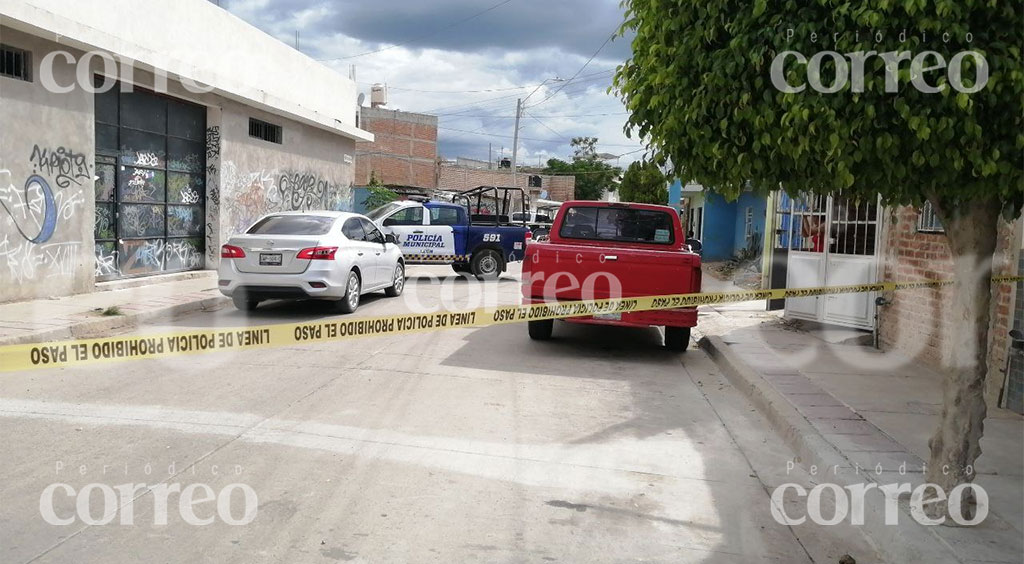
[(382, 211), (618, 224), (292, 225)]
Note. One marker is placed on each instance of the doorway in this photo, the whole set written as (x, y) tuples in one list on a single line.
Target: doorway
[(150, 184), (828, 241)]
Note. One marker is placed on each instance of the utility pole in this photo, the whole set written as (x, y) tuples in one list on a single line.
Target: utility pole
[(490, 157), (515, 140)]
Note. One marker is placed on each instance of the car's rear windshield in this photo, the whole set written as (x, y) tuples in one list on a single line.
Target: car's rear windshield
[(618, 224), (292, 225)]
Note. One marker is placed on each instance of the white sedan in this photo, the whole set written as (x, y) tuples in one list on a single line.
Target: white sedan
[(316, 254)]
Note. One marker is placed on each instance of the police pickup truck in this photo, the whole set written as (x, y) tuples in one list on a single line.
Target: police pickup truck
[(444, 233)]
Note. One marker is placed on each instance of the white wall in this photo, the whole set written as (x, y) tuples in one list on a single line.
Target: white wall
[(197, 40)]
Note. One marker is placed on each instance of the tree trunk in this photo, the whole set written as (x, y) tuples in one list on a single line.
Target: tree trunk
[(971, 231)]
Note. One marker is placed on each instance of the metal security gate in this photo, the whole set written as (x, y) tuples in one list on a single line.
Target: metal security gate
[(827, 241), (150, 187)]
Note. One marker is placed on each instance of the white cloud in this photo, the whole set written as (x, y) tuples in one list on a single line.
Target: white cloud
[(439, 81)]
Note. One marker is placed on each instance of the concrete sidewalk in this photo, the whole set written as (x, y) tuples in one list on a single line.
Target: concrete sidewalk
[(82, 315), (859, 409)]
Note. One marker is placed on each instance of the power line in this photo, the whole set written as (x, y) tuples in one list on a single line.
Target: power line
[(457, 116), (506, 89), (488, 134), (573, 77), (422, 37), (534, 118), (470, 106)]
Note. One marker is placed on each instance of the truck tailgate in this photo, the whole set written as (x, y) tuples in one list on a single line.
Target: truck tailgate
[(572, 272)]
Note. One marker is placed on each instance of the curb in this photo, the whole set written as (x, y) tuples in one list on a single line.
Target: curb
[(797, 432), (89, 328), (910, 541)]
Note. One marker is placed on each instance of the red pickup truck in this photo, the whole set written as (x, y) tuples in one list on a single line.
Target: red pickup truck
[(599, 250)]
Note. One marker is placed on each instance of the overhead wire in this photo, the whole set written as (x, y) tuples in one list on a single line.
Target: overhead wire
[(503, 89), (573, 77)]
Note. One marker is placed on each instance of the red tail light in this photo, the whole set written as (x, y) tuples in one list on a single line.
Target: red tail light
[(529, 235), (317, 253), (231, 251)]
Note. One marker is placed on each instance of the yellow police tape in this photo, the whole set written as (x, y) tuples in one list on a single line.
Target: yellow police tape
[(90, 351)]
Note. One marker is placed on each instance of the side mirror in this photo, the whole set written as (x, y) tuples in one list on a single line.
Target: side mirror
[(389, 222), (390, 238)]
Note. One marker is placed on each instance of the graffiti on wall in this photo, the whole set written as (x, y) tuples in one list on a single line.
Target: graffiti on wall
[(212, 190), (142, 256), (34, 211), (65, 166), (249, 195), (24, 261), (106, 260), (303, 191)]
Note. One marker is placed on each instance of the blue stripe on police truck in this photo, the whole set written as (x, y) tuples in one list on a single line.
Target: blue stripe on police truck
[(458, 240)]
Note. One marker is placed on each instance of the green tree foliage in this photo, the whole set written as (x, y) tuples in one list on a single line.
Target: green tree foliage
[(643, 183), (378, 194), (699, 87), (593, 176)]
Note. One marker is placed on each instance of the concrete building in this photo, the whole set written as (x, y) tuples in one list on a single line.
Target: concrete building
[(725, 228), (138, 137), (403, 153), (456, 178)]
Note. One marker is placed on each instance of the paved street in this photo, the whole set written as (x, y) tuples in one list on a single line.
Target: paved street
[(457, 446)]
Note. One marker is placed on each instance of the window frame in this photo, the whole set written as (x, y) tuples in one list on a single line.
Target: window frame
[(266, 131), (457, 211), (370, 231), (597, 215), (361, 229), (26, 62), (412, 209), (928, 220)]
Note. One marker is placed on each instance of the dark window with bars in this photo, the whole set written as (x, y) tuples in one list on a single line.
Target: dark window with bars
[(928, 220), (15, 63), (265, 131)]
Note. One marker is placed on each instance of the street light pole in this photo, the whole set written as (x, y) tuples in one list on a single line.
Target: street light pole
[(515, 141), (520, 103)]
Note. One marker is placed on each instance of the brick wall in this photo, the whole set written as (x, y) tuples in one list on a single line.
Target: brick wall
[(1015, 383), (918, 322), (404, 151), (456, 178)]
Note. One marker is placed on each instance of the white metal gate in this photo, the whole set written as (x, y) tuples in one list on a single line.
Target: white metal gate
[(829, 241)]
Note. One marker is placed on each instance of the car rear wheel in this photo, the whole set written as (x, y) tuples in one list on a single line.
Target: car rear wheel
[(244, 303), (541, 330), (397, 282), (677, 338), (350, 302), (486, 264)]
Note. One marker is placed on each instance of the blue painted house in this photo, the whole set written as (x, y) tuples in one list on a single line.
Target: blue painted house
[(725, 229)]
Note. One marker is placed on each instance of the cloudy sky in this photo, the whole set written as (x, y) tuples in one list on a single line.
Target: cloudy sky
[(467, 61)]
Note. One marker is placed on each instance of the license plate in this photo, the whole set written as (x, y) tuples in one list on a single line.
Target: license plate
[(609, 316), (270, 259)]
